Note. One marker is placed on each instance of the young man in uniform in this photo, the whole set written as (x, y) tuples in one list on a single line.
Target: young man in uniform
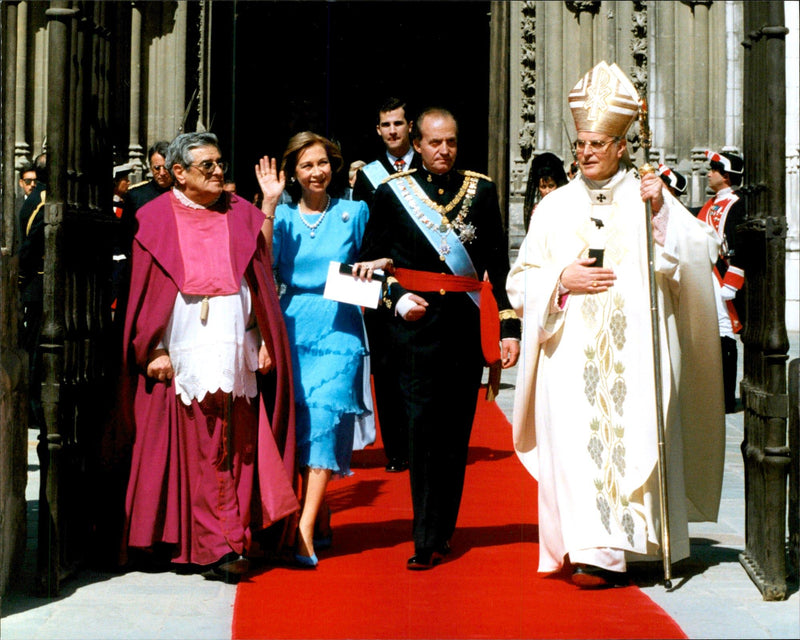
[(724, 212)]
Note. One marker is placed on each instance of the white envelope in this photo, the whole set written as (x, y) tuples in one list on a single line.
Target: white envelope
[(343, 287)]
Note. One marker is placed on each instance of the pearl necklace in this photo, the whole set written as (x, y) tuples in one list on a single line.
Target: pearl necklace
[(312, 227)]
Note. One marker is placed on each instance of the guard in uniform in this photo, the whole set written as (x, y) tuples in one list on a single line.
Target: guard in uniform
[(724, 212), (443, 232)]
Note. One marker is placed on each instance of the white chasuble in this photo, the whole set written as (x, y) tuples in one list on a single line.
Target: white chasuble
[(584, 414)]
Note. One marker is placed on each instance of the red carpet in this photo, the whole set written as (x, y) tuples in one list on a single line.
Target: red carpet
[(488, 587)]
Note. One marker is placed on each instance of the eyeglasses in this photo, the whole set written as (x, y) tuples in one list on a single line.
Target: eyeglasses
[(29, 180), (158, 168), (597, 146), (209, 166)]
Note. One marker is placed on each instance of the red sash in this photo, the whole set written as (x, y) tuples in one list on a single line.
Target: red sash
[(442, 282)]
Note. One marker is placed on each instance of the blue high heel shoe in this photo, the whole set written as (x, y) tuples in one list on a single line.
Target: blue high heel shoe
[(306, 562)]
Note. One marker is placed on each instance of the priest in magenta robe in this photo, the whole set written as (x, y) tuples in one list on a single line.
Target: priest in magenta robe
[(210, 384)]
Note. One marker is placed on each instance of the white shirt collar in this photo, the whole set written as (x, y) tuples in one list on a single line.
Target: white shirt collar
[(406, 158), (722, 193)]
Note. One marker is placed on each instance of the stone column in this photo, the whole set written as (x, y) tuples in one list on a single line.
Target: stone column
[(179, 91), (585, 10), (700, 69), (164, 27), (498, 102), (663, 84), (22, 150), (135, 148), (550, 96)]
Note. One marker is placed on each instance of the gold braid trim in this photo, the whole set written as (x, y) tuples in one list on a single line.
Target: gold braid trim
[(387, 301), (475, 174), (508, 314), (399, 174)]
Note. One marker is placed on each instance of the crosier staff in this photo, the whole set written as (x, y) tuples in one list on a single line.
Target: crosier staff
[(644, 134)]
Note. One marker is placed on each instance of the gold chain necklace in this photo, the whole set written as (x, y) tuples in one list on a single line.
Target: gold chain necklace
[(466, 231), (442, 209)]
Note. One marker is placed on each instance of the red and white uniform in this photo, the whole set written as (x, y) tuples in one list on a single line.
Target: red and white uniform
[(724, 212)]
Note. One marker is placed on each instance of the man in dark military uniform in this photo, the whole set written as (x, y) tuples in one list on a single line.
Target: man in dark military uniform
[(393, 127), (137, 196), (31, 281), (442, 230), (141, 193)]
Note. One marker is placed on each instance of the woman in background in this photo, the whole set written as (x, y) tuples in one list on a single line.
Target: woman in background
[(546, 175)]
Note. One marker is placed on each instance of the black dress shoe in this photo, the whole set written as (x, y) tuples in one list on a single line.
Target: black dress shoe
[(230, 568), (396, 465), (587, 576), (422, 561)]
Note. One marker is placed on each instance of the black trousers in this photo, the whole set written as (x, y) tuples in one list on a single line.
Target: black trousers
[(729, 372), (439, 404), (388, 399)]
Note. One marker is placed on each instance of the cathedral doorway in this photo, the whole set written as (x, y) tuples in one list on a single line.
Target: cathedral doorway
[(282, 67)]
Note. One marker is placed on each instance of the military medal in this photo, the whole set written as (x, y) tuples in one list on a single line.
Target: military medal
[(466, 232)]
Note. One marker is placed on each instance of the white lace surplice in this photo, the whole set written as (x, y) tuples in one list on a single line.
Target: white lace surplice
[(220, 354)]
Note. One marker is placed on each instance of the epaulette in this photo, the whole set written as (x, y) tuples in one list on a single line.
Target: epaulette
[(475, 174), (139, 184), (399, 174), (35, 211)]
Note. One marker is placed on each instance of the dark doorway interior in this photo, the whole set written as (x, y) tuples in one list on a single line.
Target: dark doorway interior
[(283, 67)]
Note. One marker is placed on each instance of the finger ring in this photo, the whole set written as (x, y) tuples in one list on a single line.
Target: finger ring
[(594, 283)]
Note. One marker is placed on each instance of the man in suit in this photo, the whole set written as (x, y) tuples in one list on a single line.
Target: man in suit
[(441, 230), (31, 279), (27, 182), (394, 128)]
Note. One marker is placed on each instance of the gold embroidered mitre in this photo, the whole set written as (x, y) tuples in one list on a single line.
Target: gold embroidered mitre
[(604, 101)]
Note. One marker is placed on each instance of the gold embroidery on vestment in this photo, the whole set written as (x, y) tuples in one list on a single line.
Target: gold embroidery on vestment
[(605, 388)]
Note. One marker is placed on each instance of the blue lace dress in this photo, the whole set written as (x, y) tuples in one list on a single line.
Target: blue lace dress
[(326, 337)]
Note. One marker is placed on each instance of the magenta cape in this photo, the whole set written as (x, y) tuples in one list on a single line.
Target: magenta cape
[(157, 476)]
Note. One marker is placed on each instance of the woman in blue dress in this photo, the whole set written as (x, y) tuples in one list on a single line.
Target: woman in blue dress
[(326, 337)]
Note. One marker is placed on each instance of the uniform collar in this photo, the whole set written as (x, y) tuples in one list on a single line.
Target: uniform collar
[(723, 193), (444, 180)]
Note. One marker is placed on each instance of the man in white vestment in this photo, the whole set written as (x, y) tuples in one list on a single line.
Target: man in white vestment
[(585, 410)]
